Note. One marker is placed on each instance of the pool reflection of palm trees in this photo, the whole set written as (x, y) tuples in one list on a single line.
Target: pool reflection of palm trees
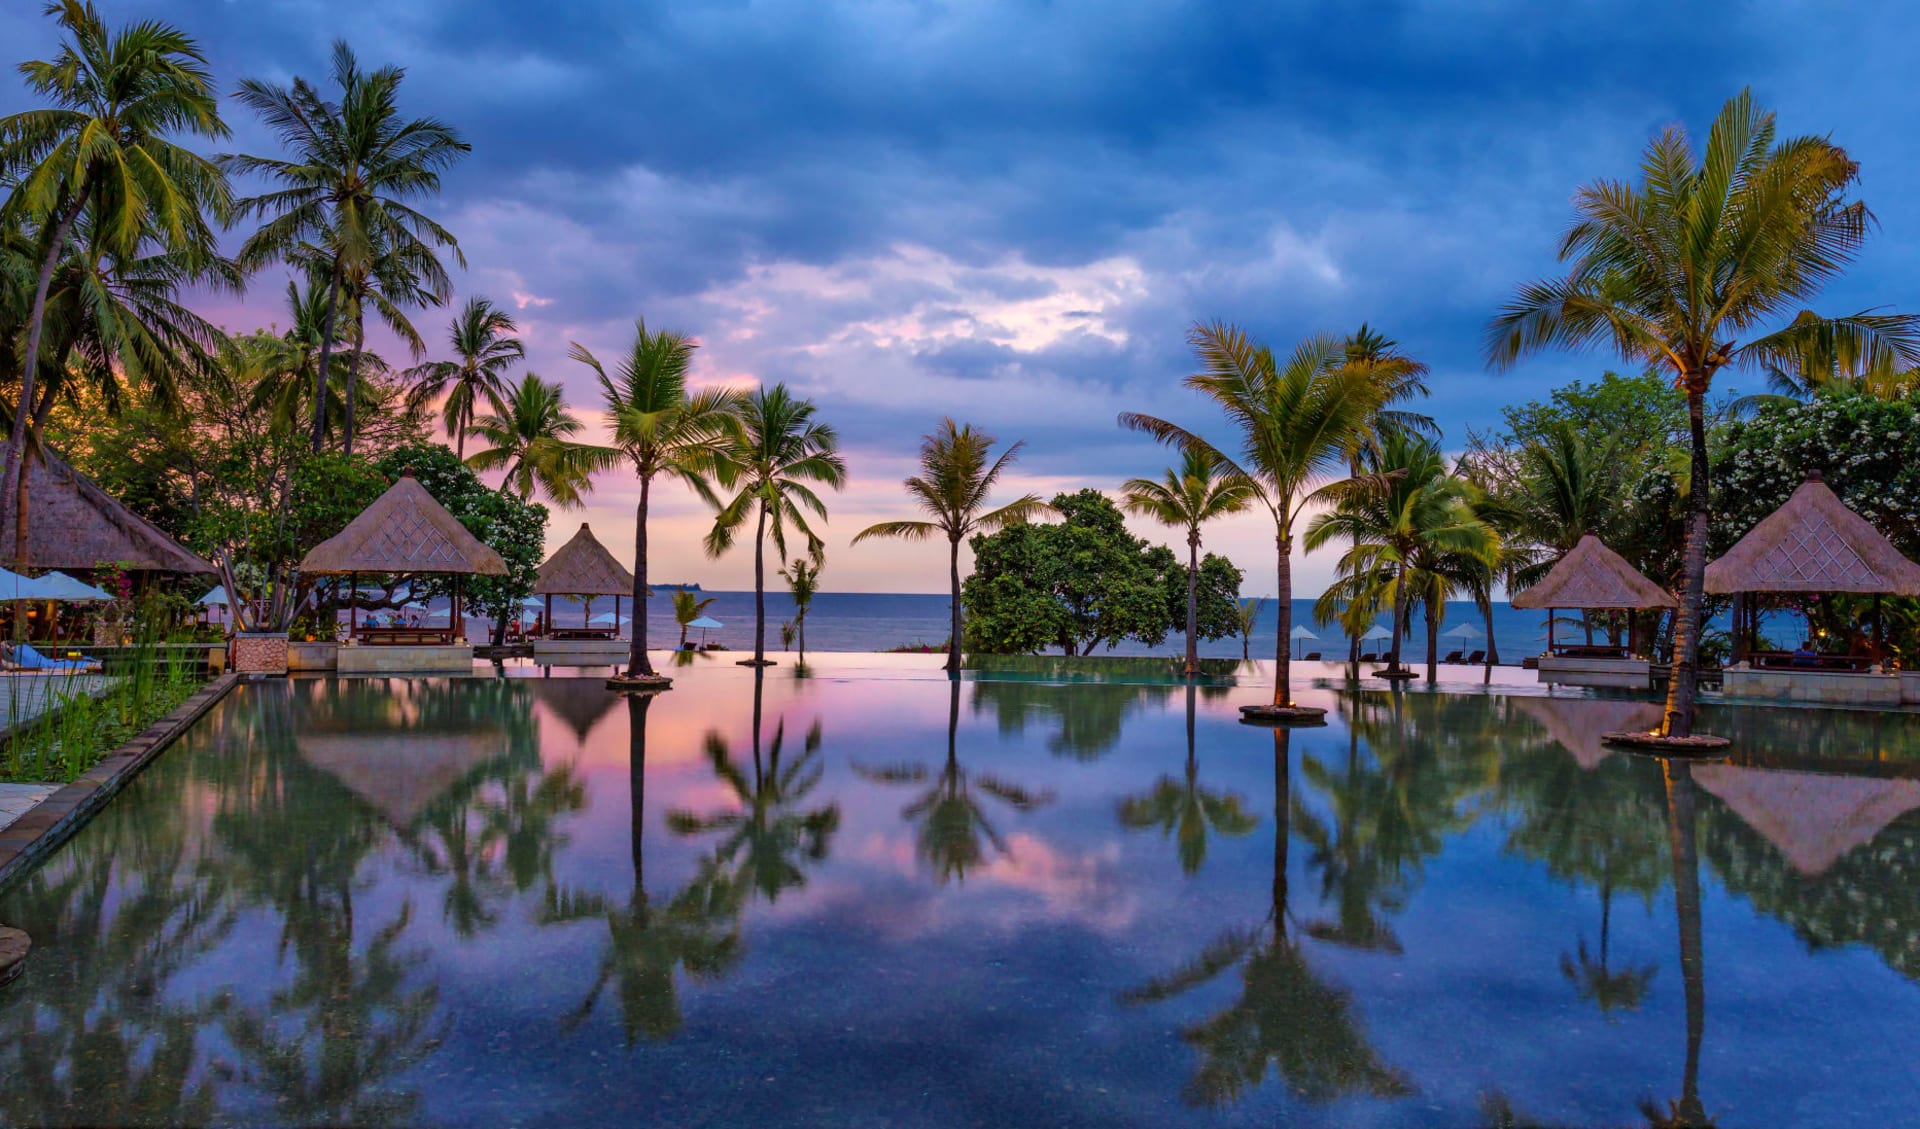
[(696, 930), (1687, 1111), (771, 835), (1186, 810), (954, 831), (1286, 1019)]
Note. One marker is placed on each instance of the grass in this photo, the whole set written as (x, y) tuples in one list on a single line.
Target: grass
[(85, 721)]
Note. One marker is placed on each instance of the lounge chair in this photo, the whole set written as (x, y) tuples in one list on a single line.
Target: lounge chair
[(1312, 657), (1453, 657), (24, 657), (1369, 657), (1476, 657)]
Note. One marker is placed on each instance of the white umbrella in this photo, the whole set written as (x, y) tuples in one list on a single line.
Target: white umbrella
[(605, 619), (704, 623), (60, 586), (1377, 632), (217, 598), (13, 586), (1464, 631), (1299, 634)]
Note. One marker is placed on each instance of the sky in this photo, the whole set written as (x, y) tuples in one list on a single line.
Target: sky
[(1012, 213)]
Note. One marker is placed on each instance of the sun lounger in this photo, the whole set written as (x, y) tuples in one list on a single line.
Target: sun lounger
[(1453, 656), (1312, 657), (26, 658), (1475, 657), (1369, 657)]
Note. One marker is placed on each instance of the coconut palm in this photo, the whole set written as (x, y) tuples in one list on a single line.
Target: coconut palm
[(1186, 810), (1189, 496), (773, 449), (1247, 613), (1412, 509), (354, 167), (803, 583), (531, 441), (1297, 418), (1396, 378), (663, 429), (953, 484), (104, 145), (392, 279), (483, 348), (686, 608), (1687, 270)]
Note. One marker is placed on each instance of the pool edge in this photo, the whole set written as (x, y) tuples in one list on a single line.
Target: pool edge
[(41, 831)]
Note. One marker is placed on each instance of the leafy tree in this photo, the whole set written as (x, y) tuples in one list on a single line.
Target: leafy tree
[(510, 526), (354, 165), (532, 442), (1078, 585), (1686, 271), (953, 484), (662, 428), (483, 348), (1190, 497), (773, 450), (1298, 420)]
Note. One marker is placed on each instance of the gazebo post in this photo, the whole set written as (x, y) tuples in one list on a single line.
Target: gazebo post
[(1633, 633), (547, 624), (458, 627), (616, 614), (1879, 635), (353, 604), (1739, 627), (1550, 618)]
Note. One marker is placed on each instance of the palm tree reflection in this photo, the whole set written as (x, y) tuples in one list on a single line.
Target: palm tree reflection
[(1186, 810), (1687, 1111), (696, 930), (954, 831), (1286, 1019)]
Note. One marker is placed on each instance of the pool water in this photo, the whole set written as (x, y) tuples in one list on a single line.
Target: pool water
[(876, 897)]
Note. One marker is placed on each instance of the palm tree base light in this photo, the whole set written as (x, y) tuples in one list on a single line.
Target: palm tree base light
[(1699, 744), (1265, 714), (639, 683)]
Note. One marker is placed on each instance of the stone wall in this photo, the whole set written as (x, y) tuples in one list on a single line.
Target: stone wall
[(260, 654), (1835, 688), (358, 659)]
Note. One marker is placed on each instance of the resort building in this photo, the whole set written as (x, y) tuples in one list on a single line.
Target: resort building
[(1592, 577)]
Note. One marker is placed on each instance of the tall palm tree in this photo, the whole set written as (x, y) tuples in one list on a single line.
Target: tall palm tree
[(686, 608), (483, 348), (1189, 496), (392, 279), (774, 448), (663, 429), (354, 167), (1396, 378), (532, 442), (803, 584), (1687, 270), (104, 143), (1413, 509), (953, 484), (1297, 418)]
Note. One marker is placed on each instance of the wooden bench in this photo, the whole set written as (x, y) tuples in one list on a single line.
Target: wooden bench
[(1787, 660), (405, 636), (578, 633)]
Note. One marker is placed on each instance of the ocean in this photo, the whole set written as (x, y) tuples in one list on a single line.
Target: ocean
[(872, 621)]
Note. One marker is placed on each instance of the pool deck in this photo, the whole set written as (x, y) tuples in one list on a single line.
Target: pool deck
[(17, 800), (24, 697)]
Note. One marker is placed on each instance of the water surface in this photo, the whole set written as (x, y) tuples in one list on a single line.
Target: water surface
[(876, 897)]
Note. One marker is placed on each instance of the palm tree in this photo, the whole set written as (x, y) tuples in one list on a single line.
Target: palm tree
[(803, 583), (686, 608), (953, 484), (1247, 612), (1189, 496), (531, 441), (662, 429), (1186, 810), (1412, 509), (773, 449), (1298, 419), (484, 348), (1396, 378), (104, 143), (392, 279), (354, 166), (1686, 270)]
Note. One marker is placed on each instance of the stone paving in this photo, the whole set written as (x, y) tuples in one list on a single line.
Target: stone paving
[(17, 800)]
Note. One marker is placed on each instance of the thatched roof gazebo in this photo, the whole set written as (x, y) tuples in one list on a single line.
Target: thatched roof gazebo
[(73, 524), (405, 531), (1812, 544), (1576, 724), (1592, 577), (583, 567), (1813, 819)]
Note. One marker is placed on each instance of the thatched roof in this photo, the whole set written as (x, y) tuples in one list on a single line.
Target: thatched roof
[(404, 530), (1812, 818), (578, 702), (73, 524), (1576, 724), (1814, 543), (583, 567), (399, 774), (1594, 576)]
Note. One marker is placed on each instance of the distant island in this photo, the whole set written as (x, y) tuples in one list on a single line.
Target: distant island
[(682, 587)]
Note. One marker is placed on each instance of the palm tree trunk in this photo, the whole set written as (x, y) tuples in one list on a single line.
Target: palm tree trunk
[(1399, 615), (637, 707), (1282, 790), (639, 665), (326, 357), (1693, 582), (14, 478), (1493, 647), (1433, 642), (353, 382), (1193, 601), (1686, 904), (1282, 672), (953, 578), (760, 588)]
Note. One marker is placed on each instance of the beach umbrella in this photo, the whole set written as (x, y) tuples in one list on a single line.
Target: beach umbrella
[(610, 619), (60, 586), (13, 586), (1301, 634), (1376, 632), (704, 623), (217, 598), (1464, 631)]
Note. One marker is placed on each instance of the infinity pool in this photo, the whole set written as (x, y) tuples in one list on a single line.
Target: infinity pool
[(875, 897)]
